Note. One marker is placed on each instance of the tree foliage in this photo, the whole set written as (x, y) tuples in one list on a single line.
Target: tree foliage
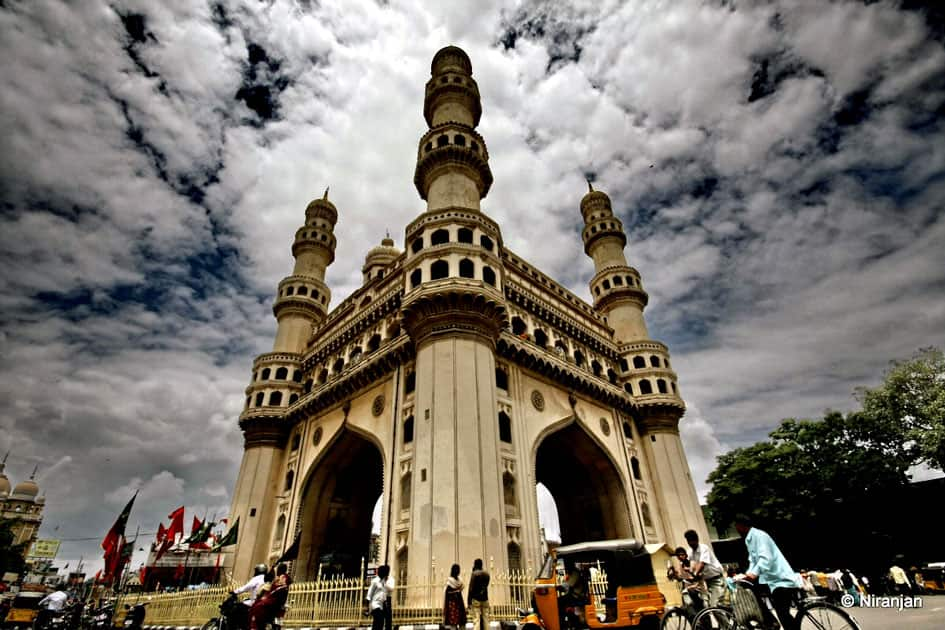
[(910, 404), (815, 486), (821, 487)]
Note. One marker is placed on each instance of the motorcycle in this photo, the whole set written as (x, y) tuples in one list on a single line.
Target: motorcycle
[(234, 615), (100, 618)]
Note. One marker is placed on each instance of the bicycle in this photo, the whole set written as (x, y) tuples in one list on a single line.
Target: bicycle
[(812, 612), (694, 615)]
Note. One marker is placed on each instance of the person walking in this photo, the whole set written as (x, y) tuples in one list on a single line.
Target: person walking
[(768, 567), (705, 565), (454, 610), (478, 598), (899, 579), (377, 597)]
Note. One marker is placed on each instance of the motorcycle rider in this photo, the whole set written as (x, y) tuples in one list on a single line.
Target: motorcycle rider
[(252, 587)]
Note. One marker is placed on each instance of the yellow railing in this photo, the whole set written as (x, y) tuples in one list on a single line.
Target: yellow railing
[(336, 601)]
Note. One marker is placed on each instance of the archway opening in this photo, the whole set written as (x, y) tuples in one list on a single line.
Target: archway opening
[(585, 485), (338, 507)]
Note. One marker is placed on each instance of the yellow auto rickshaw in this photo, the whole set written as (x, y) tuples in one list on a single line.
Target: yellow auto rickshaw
[(23, 610), (933, 574), (604, 584)]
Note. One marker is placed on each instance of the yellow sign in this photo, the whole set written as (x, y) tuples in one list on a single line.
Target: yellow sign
[(44, 549)]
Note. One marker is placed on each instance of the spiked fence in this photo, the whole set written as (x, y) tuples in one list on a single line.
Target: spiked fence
[(338, 601)]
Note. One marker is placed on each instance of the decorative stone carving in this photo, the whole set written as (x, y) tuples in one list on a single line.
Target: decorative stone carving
[(377, 408), (605, 426), (538, 401)]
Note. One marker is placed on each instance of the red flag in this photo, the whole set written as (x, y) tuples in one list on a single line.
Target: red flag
[(170, 534), (195, 526), (143, 575), (160, 534), (112, 539), (179, 571)]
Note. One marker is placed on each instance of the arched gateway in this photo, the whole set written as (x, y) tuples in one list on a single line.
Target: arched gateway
[(336, 505), (455, 379)]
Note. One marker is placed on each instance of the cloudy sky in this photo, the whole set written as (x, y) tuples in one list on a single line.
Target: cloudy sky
[(778, 165)]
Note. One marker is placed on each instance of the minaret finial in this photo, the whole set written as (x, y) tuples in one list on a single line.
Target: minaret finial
[(326, 193), (3, 464), (35, 468), (590, 186)]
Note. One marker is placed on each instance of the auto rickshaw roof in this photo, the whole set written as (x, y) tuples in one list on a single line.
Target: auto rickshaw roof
[(621, 544)]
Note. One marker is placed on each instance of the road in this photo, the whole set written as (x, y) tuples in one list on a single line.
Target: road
[(930, 617)]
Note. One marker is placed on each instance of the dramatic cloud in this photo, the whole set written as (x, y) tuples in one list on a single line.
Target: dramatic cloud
[(777, 166)]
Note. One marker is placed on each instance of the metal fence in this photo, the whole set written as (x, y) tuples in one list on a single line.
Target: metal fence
[(340, 601)]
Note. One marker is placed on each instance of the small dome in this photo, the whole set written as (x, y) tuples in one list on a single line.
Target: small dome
[(383, 254), (322, 208), (26, 490), (594, 200), (451, 59)]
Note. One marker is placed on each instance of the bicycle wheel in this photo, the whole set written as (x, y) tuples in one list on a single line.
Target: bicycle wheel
[(714, 619), (675, 619), (824, 616)]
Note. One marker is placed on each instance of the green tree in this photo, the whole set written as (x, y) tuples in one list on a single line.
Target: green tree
[(11, 556), (815, 486), (910, 405)]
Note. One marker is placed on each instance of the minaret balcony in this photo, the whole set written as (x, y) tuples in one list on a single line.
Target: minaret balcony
[(310, 238), (450, 148), (605, 228), (452, 87), (608, 297)]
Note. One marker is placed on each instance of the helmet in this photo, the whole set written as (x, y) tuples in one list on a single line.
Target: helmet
[(260, 569)]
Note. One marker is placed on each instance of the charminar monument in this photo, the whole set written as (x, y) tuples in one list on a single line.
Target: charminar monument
[(453, 381)]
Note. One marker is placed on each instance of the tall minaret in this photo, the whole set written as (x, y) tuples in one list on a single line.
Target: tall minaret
[(645, 371), (300, 306), (454, 309)]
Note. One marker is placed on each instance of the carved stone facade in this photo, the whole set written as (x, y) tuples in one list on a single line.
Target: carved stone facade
[(452, 382)]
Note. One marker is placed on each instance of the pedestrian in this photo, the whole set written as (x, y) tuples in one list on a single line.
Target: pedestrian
[(692, 590), (478, 597), (768, 566), (704, 564), (900, 581), (377, 597), (454, 610)]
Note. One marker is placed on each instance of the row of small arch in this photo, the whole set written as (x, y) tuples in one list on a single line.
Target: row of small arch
[(444, 140), (302, 290), (442, 237), (540, 337), (607, 226), (440, 269), (646, 387), (618, 281)]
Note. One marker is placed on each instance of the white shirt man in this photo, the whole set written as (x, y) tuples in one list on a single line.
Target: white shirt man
[(252, 587), (54, 601), (704, 564)]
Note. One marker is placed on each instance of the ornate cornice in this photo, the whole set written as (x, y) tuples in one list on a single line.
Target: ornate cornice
[(521, 296), (465, 91), (331, 341), (355, 378), (659, 413), (453, 215), (454, 307), (560, 371), (264, 430)]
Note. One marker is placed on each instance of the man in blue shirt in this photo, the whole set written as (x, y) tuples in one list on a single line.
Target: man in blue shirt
[(768, 567)]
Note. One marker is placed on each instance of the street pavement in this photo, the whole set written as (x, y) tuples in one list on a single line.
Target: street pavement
[(930, 617)]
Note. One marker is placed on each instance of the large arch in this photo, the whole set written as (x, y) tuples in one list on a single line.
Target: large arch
[(586, 486), (337, 504)]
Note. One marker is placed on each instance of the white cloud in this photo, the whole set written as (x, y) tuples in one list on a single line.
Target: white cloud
[(147, 212)]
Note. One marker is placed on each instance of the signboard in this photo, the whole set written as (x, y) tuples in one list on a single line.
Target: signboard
[(44, 549)]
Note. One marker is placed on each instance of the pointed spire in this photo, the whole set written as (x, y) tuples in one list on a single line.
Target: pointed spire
[(590, 187), (35, 468), (3, 464), (326, 193)]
